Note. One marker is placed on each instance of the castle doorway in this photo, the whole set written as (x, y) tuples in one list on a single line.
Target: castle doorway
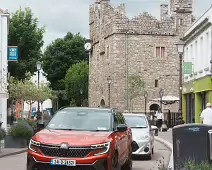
[(102, 103), (154, 107)]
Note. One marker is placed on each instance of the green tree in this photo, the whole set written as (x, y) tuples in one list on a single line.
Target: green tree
[(25, 33), (60, 56), (76, 82), (27, 90), (136, 87)]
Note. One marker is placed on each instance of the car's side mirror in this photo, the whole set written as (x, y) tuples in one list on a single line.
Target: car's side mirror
[(121, 128)]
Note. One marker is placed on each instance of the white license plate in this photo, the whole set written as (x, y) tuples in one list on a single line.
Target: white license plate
[(61, 162)]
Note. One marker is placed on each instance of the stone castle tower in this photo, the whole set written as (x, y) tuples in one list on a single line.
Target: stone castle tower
[(143, 46)]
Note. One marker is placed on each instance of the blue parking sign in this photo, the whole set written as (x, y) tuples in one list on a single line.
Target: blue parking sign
[(13, 53)]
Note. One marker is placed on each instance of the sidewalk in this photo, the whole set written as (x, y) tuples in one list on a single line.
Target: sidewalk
[(166, 139), (9, 151), (166, 136)]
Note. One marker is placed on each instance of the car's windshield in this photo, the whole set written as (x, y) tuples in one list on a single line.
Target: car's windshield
[(136, 121), (91, 120)]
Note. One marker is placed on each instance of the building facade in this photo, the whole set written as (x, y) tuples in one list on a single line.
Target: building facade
[(4, 18), (197, 88), (143, 46)]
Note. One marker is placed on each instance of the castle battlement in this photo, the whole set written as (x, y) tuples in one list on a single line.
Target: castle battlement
[(106, 20)]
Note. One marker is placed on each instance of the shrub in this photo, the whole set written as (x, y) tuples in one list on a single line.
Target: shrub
[(2, 134), (192, 165), (22, 130), (31, 123)]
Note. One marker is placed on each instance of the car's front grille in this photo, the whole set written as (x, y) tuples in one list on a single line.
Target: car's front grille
[(71, 152), (40, 166), (135, 146)]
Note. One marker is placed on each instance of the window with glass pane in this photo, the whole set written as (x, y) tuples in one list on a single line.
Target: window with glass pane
[(162, 51), (157, 51), (136, 121), (81, 120)]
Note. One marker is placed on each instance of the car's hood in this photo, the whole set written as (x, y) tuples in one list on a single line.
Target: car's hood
[(77, 138), (138, 132)]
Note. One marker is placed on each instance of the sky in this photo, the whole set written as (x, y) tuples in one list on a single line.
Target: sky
[(62, 16)]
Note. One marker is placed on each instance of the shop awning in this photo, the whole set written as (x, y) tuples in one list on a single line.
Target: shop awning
[(167, 100)]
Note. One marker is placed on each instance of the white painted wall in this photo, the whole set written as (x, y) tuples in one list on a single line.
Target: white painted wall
[(198, 51), (3, 66)]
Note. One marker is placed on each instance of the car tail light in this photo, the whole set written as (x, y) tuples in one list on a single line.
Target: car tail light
[(101, 149)]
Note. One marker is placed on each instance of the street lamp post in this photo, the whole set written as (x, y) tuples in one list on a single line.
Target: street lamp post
[(109, 80), (81, 96), (161, 92), (145, 99), (180, 50), (39, 66)]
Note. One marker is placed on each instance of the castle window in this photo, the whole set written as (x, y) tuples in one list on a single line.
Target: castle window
[(160, 51), (180, 21), (156, 83), (108, 51)]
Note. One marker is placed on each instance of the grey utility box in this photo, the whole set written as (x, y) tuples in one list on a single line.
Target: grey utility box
[(191, 142)]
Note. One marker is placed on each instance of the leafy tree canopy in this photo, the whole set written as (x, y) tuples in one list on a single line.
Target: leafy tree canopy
[(25, 33), (60, 55), (136, 86), (76, 82), (27, 90)]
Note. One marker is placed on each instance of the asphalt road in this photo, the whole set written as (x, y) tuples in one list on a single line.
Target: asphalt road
[(18, 162)]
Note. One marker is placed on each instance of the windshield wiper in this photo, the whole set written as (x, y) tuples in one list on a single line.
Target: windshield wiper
[(99, 130), (139, 127), (60, 129)]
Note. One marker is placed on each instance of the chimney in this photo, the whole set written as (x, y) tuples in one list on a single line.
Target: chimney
[(164, 10)]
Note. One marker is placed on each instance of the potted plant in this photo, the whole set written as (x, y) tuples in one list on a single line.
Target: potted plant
[(18, 135)]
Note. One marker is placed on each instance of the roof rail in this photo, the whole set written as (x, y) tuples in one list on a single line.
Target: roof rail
[(63, 107)]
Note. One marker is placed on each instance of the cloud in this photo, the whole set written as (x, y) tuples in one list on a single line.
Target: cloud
[(62, 16)]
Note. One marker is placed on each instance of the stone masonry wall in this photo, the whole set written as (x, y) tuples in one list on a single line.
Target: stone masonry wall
[(108, 28)]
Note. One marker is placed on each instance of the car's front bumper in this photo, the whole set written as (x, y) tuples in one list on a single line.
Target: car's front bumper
[(36, 162), (142, 147)]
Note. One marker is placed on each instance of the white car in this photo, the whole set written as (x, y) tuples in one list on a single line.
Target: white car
[(142, 133)]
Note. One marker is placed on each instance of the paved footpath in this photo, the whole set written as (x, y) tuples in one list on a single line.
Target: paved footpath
[(166, 136), (162, 154)]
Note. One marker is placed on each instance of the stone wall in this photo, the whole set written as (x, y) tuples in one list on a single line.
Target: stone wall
[(117, 38)]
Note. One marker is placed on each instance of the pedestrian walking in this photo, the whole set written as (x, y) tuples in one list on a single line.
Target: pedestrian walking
[(160, 118), (206, 115)]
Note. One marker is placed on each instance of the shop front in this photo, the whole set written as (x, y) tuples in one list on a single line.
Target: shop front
[(196, 94)]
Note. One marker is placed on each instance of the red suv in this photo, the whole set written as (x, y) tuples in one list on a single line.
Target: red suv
[(82, 139)]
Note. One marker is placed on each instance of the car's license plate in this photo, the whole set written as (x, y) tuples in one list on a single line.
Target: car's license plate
[(63, 162)]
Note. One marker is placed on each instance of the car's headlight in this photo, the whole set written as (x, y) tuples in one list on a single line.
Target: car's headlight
[(144, 137), (101, 149), (33, 145)]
